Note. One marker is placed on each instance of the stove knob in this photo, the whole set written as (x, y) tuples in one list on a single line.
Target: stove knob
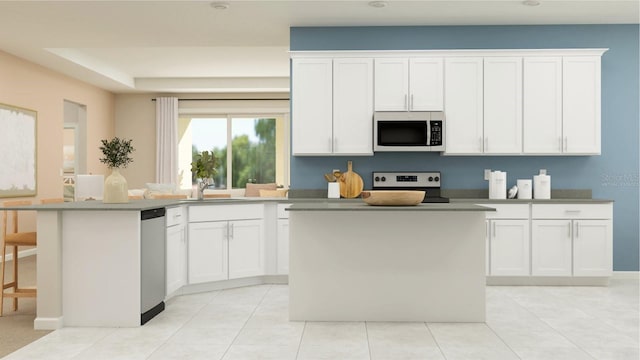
[(383, 178), (437, 178), (377, 178), (430, 178)]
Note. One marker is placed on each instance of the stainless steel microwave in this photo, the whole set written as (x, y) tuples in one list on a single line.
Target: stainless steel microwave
[(408, 131)]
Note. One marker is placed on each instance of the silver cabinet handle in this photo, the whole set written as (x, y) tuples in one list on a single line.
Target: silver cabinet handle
[(569, 229), (406, 104), (577, 230), (411, 103), (330, 143), (561, 143), (566, 141), (335, 144), (480, 143), (494, 230), (486, 144), (231, 237)]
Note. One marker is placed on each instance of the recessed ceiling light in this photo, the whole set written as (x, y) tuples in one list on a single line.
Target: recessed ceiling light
[(378, 4), (531, 2), (220, 5)]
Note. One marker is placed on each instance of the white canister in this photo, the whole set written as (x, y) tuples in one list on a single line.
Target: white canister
[(333, 190), (524, 188), (498, 185), (542, 187)]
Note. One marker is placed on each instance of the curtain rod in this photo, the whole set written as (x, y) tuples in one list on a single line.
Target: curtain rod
[(260, 99)]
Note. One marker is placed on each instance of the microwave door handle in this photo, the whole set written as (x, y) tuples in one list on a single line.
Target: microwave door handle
[(428, 133)]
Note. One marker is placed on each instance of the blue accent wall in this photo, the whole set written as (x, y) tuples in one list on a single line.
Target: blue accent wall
[(613, 175)]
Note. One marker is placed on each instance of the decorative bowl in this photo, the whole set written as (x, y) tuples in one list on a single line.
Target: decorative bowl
[(393, 197)]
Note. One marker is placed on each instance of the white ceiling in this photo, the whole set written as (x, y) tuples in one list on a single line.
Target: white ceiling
[(188, 46)]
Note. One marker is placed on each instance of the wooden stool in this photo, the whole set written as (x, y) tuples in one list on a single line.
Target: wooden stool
[(51, 200), (14, 239)]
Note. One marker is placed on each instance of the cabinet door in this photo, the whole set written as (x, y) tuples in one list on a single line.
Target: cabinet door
[(463, 105), (426, 84), (176, 272), (551, 248), (542, 105), (581, 104), (502, 105), (207, 252), (311, 106), (353, 106), (246, 248), (509, 247), (283, 247), (391, 84), (592, 248)]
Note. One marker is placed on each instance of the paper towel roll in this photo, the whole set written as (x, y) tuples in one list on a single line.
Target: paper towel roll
[(524, 188), (542, 187)]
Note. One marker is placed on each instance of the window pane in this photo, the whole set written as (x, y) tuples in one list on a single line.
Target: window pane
[(210, 134), (253, 151)]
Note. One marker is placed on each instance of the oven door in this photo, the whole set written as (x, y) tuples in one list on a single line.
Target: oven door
[(406, 135)]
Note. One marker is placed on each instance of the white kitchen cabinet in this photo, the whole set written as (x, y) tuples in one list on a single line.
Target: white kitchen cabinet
[(352, 107), (208, 249), (502, 120), (507, 240), (551, 248), (562, 105), (572, 240), (176, 266), (311, 106), (542, 105), (332, 106), (509, 247), (283, 240), (581, 104), (463, 105), (592, 248), (246, 248), (409, 84), (225, 242)]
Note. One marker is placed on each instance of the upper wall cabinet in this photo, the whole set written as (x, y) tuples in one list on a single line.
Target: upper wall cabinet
[(496, 102), (332, 106), (409, 84), (562, 105)]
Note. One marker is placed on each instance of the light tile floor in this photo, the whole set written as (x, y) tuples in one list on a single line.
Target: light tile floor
[(252, 323)]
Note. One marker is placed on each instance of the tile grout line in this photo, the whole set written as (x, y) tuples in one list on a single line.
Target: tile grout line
[(301, 337), (549, 325), (183, 324), (246, 321), (366, 330), (435, 340)]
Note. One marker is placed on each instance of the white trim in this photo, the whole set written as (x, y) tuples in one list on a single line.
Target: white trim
[(634, 275), (465, 52), (21, 254), (43, 323)]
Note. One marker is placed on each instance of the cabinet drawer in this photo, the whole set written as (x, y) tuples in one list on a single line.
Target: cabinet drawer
[(225, 212), (508, 211), (282, 213), (174, 216), (572, 211)]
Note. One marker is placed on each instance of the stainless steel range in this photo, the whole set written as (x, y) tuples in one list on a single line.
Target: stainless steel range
[(429, 182)]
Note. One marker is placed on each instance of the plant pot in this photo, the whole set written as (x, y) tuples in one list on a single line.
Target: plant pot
[(116, 190)]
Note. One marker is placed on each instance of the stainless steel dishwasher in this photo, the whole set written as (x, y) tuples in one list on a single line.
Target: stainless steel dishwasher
[(152, 263)]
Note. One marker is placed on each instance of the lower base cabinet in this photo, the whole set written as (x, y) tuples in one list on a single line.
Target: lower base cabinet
[(551, 248), (509, 247), (222, 250), (283, 247), (176, 258)]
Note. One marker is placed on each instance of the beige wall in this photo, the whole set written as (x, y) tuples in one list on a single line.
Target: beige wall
[(31, 86)]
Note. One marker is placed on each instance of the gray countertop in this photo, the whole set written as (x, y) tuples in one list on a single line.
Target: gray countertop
[(311, 203), (362, 206)]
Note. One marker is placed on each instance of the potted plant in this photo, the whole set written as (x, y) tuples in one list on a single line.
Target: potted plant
[(116, 154), (203, 169)]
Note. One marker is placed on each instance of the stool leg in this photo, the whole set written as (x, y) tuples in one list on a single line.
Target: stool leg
[(4, 261), (15, 277)]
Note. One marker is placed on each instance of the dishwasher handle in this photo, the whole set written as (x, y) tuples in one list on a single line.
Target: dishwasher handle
[(152, 213)]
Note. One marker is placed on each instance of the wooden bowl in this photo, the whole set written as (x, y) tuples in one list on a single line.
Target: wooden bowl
[(393, 197)]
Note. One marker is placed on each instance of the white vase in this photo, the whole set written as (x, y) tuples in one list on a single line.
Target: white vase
[(115, 188)]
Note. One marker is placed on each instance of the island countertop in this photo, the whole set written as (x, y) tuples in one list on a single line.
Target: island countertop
[(361, 206)]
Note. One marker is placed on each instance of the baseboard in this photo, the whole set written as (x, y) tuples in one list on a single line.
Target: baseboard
[(21, 254), (547, 281), (631, 275), (229, 284), (43, 323)]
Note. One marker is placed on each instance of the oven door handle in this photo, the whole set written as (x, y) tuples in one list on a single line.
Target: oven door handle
[(428, 133)]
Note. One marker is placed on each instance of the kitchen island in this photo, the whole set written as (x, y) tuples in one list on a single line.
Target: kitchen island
[(356, 262)]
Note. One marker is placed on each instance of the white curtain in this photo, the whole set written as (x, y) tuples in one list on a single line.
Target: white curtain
[(167, 140)]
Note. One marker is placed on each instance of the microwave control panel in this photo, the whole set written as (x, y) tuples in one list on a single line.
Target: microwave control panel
[(436, 132)]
